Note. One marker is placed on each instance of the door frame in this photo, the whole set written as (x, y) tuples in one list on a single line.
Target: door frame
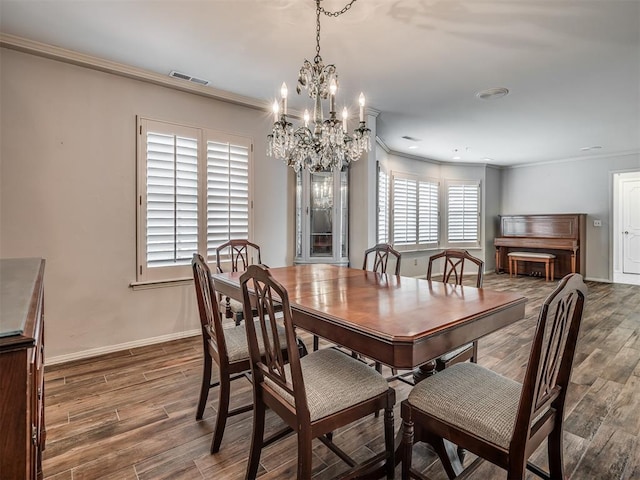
[(616, 231)]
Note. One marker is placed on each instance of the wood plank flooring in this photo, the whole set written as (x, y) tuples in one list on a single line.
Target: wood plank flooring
[(131, 414)]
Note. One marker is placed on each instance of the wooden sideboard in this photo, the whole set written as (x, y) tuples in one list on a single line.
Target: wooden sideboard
[(22, 429)]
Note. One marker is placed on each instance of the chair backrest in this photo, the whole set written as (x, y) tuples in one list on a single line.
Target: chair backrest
[(454, 265), (210, 320), (238, 254), (381, 257), (551, 358), (270, 297)]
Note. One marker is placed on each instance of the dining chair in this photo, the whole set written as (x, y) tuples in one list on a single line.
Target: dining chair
[(455, 262), (315, 394), (238, 254), (497, 418), (227, 347), (378, 257)]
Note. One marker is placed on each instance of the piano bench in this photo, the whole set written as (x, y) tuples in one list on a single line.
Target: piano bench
[(546, 258)]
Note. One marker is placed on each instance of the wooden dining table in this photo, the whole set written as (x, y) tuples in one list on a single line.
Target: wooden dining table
[(402, 322)]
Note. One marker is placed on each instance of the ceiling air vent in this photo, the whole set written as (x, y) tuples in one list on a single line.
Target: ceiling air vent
[(493, 93), (189, 78)]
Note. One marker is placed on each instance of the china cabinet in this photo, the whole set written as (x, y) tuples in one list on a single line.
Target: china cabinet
[(322, 217)]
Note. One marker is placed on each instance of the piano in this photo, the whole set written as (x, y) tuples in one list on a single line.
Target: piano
[(563, 235)]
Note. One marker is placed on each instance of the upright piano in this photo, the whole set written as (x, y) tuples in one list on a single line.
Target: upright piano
[(563, 235)]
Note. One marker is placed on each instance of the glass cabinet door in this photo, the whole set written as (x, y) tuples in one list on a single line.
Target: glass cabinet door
[(322, 217), (344, 212), (320, 214)]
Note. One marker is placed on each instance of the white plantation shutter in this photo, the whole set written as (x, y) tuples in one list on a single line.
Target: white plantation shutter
[(415, 207), (227, 193), (193, 195), (463, 212), (383, 205), (428, 217), (172, 199), (405, 208)]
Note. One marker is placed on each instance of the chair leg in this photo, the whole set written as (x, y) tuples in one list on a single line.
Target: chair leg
[(554, 449), (389, 440), (302, 348), (443, 452), (257, 438), (227, 310), (316, 343), (304, 454), (206, 384), (223, 410), (474, 352), (407, 447)]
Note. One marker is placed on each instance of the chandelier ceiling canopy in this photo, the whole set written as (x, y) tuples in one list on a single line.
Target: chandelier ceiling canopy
[(320, 144)]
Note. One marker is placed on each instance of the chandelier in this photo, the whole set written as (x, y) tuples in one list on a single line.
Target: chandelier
[(319, 144)]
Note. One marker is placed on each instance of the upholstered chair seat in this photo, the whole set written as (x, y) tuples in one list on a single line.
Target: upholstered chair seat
[(236, 338), (472, 398), (328, 393)]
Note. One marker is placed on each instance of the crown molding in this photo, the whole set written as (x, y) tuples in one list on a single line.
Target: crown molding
[(80, 59), (577, 159)]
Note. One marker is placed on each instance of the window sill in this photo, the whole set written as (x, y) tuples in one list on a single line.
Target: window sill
[(160, 283)]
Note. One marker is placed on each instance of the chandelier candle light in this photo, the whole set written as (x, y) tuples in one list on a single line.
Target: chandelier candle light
[(325, 145)]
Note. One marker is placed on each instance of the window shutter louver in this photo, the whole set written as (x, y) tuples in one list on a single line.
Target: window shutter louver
[(405, 207), (227, 193), (462, 213), (383, 206), (172, 199), (428, 213), (415, 206)]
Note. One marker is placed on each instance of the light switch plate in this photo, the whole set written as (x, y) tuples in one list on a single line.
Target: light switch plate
[(597, 223)]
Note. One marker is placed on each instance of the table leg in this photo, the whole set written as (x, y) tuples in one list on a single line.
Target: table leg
[(424, 371)]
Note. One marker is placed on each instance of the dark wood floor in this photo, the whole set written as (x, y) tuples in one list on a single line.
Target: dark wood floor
[(131, 414)]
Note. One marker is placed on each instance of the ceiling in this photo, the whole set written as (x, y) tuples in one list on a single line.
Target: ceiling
[(572, 67)]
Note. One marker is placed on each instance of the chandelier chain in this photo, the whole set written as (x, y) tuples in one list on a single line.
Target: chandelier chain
[(337, 13)]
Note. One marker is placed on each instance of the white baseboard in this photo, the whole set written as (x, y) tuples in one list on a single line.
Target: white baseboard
[(601, 280), (93, 352)]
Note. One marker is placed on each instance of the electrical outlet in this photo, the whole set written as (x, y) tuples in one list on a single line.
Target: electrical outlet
[(597, 223), (415, 262)]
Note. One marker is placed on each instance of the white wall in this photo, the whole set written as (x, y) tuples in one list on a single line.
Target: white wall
[(578, 186), (492, 192), (67, 193)]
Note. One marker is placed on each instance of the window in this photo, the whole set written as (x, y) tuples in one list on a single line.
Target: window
[(463, 213), (193, 195), (383, 205), (414, 212)]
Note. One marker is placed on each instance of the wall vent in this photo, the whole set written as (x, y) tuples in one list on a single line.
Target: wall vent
[(189, 78)]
